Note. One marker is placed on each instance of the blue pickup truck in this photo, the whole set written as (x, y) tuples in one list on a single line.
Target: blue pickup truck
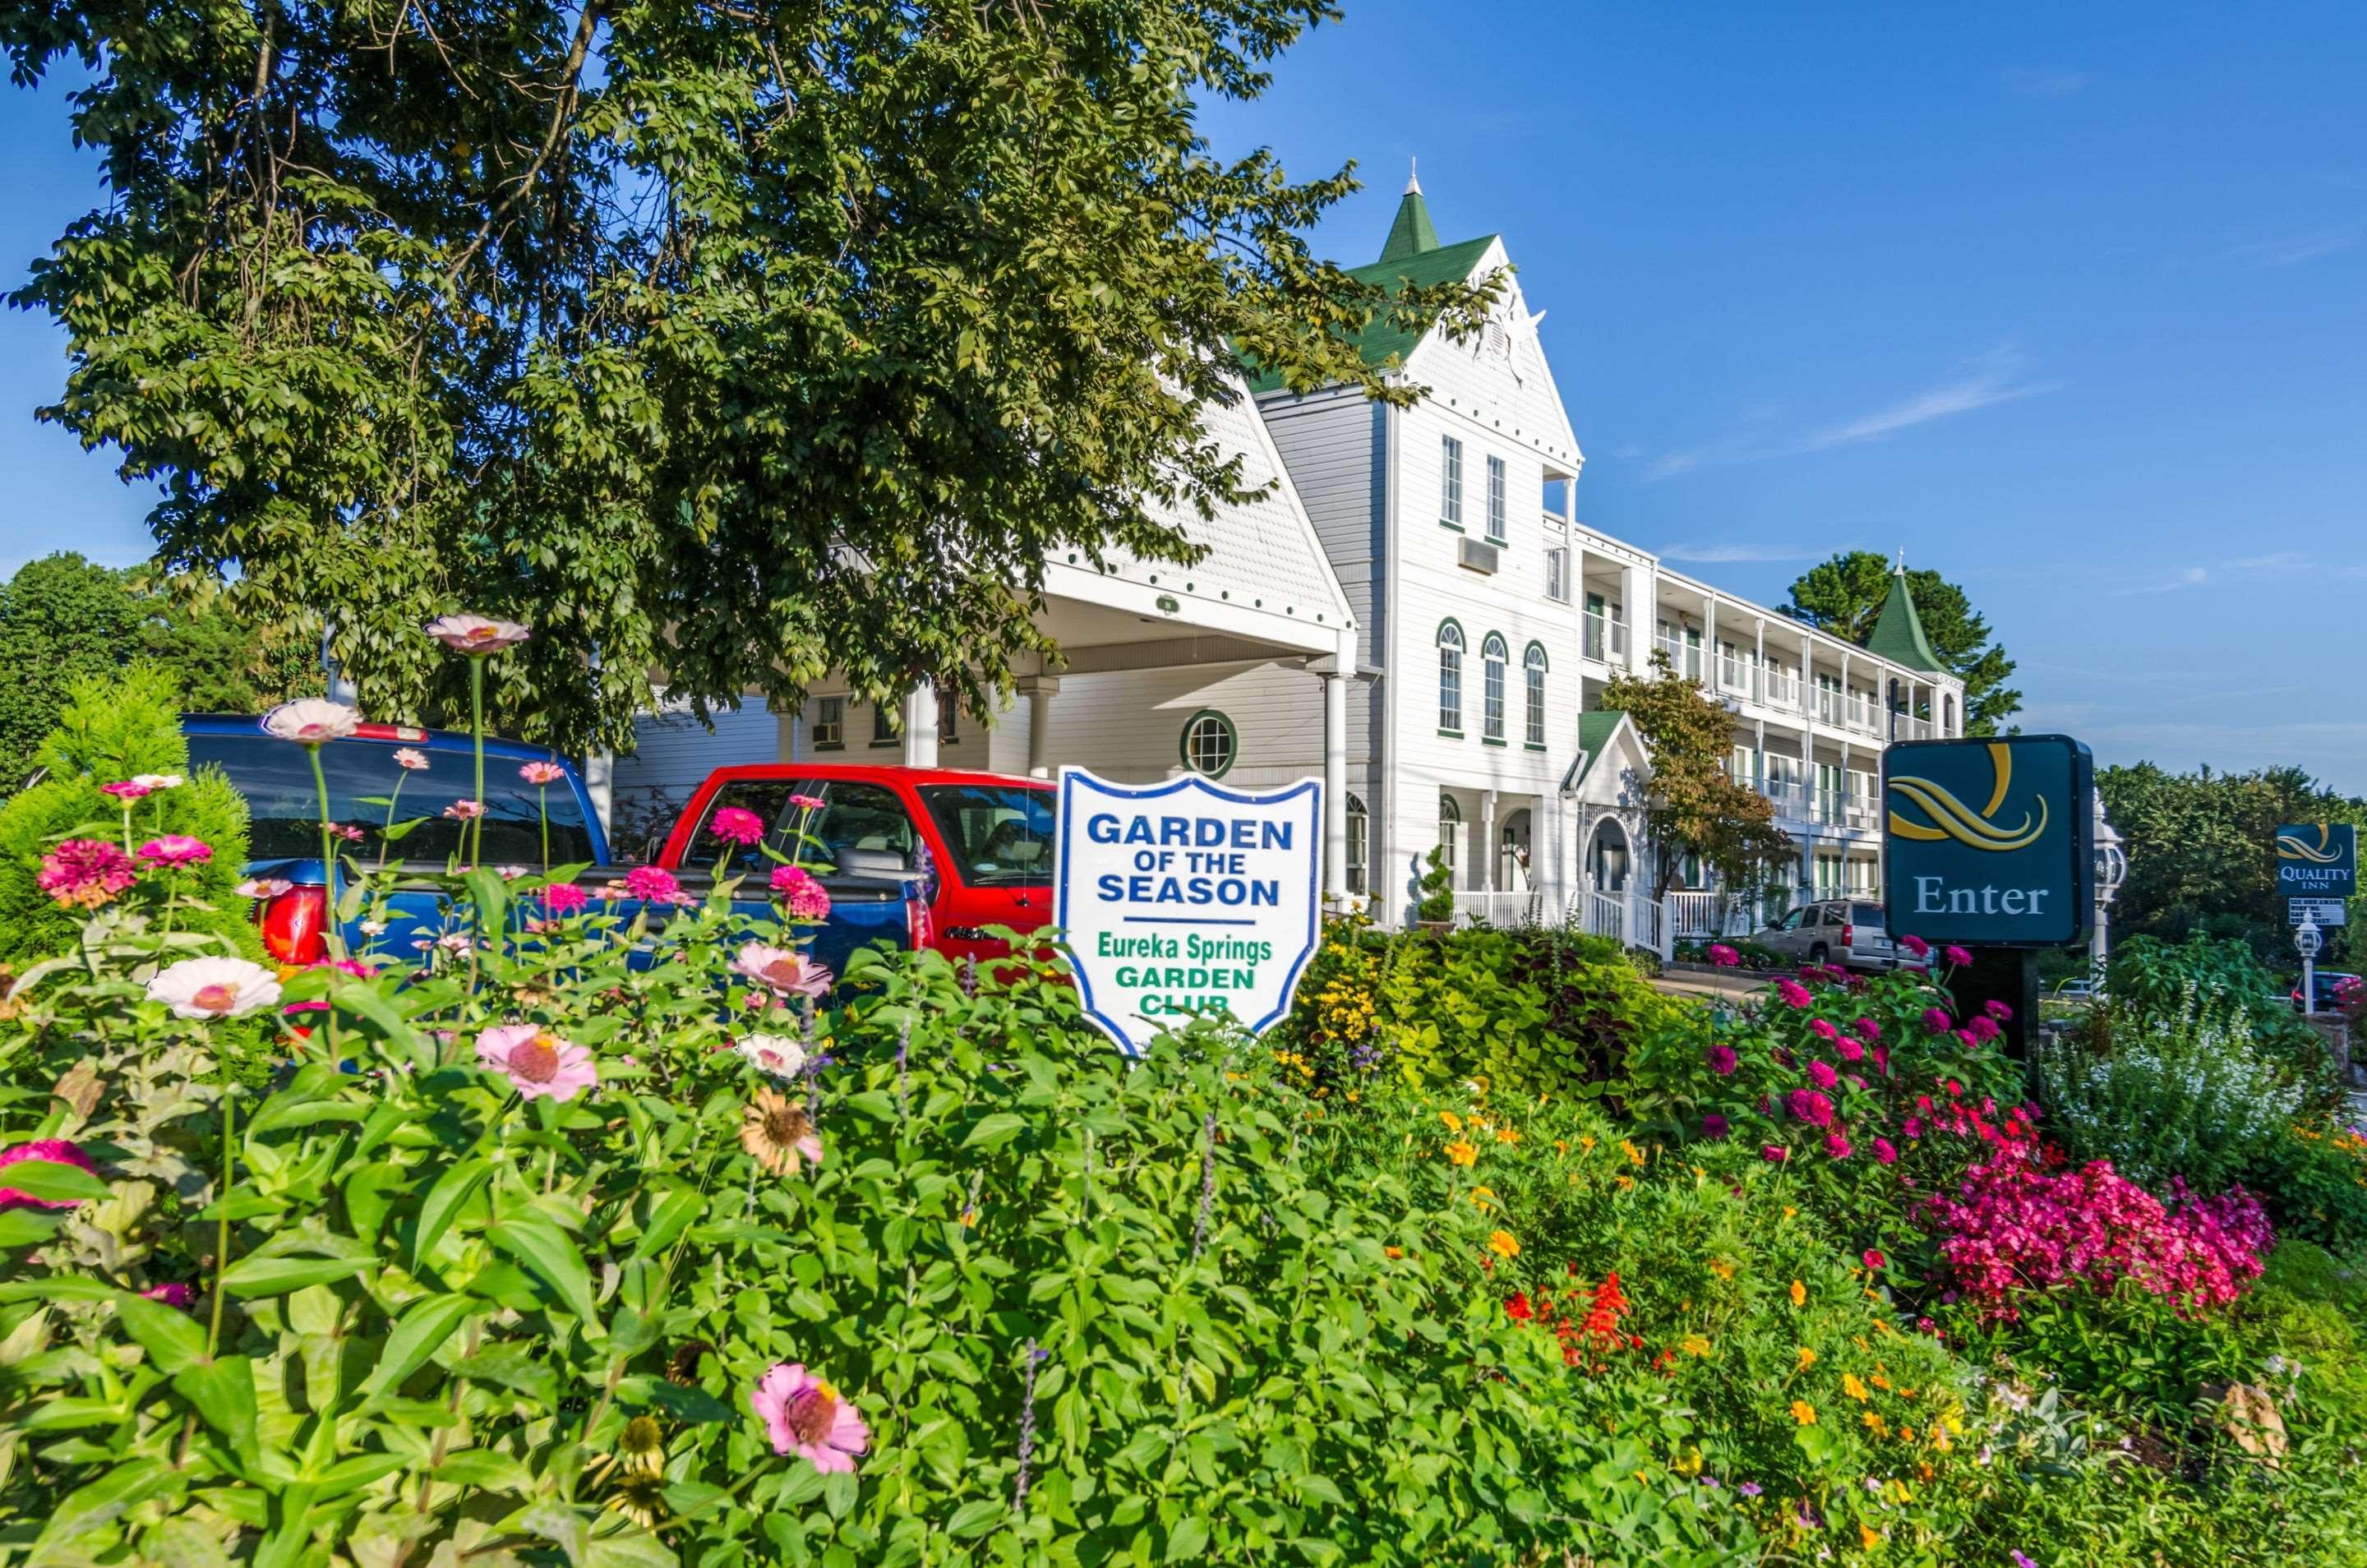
[(284, 840)]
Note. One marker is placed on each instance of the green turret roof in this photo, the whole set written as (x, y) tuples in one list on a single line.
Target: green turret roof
[(1899, 631), (1596, 729), (1413, 231)]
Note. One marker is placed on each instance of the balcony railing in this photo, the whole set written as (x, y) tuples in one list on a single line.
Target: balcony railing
[(1779, 688), (1907, 727), (1604, 638), (1790, 799), (1829, 705)]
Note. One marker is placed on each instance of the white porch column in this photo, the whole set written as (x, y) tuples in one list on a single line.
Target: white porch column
[(1039, 691), (1484, 881), (785, 733), (599, 783), (920, 726), (1709, 642), (1335, 788), (1635, 602)]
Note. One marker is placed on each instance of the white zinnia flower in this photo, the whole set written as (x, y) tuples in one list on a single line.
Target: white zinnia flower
[(312, 721), (214, 988), (774, 1053)]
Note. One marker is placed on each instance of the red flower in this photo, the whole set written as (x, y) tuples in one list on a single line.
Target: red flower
[(1518, 1308), (1875, 1260)]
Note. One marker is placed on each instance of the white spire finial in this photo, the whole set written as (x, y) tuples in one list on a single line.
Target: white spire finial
[(1902, 571), (1413, 177)]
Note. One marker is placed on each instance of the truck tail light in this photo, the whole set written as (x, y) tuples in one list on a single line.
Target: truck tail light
[(295, 925), (1849, 935)]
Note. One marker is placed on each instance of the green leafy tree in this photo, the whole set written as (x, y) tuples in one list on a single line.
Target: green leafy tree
[(1693, 806), (735, 342), (1844, 596), (2203, 857)]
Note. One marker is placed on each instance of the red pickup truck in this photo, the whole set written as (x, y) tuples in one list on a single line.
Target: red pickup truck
[(982, 843)]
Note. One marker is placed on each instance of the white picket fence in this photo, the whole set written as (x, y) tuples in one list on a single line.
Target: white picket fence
[(1630, 919)]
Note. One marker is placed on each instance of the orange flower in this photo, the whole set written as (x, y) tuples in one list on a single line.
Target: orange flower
[(1453, 1122), (1393, 1251), (1799, 1294), (1807, 1359), (1868, 1537), (1851, 1387), (1462, 1153), (1502, 1244), (1507, 1136), (1804, 1413)]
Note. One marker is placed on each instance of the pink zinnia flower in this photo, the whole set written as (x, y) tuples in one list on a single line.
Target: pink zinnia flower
[(350, 832), (805, 1416), (1723, 957), (1715, 1126), (806, 802), (476, 636), (312, 721), (542, 772), (1872, 1258), (1793, 992), (1822, 1075), (802, 898), (57, 1151), (410, 759), (128, 791), (1983, 1028), (85, 873), (1823, 1030), (465, 811), (1849, 1050), (562, 898), (1912, 1127), (175, 848), (174, 1294), (778, 1056), (1884, 1151), (1936, 1020), (1807, 1105), (1955, 955), (1721, 1060), (652, 885), (1869, 1030), (1968, 1039), (1774, 1154), (1836, 1146), (214, 988), (262, 887), (1999, 1012), (1916, 945), (737, 825), (537, 1062), (783, 970)]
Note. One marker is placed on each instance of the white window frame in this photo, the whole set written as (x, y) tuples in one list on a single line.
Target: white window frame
[(1495, 653), (1532, 685), (1450, 678), (1496, 485), (1450, 481)]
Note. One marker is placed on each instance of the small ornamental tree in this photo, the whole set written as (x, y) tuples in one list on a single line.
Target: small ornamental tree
[(1693, 807), (1437, 887)]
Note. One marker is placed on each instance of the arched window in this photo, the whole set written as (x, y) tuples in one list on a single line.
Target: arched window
[(1210, 743), (1450, 678), (1359, 838), (1450, 828), (1533, 666), (1491, 677)]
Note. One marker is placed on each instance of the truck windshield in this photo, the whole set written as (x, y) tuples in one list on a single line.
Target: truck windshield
[(285, 811), (999, 835)]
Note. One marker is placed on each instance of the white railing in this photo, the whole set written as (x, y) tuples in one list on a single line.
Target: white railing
[(1618, 639), (1594, 636), (1789, 798), (1504, 910), (1829, 705), (1708, 917), (1650, 929), (1605, 914), (1906, 727), (1780, 689)]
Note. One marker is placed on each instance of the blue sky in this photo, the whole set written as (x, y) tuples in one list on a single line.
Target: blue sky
[(2069, 302)]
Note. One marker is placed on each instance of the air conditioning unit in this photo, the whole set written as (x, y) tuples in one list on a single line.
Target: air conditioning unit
[(1477, 554)]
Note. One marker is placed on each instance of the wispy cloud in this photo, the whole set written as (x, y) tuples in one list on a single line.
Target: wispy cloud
[(2235, 567), (1732, 553), (2193, 577), (1996, 377), (2294, 250), (2043, 80)]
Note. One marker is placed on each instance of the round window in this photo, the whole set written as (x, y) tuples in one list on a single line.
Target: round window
[(1209, 743)]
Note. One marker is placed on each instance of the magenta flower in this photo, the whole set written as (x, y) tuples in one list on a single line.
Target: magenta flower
[(806, 802), (1982, 1028), (1884, 1151), (83, 873), (1822, 1075), (1997, 1010), (1836, 1146), (410, 759), (350, 832), (542, 772), (652, 885), (737, 825), (1955, 955), (1714, 1126), (57, 1151), (1722, 1061), (1936, 1020), (1807, 1105), (1968, 1039), (537, 1062), (1793, 992), (476, 636), (1823, 1030), (1849, 1050), (1774, 1154), (806, 1417), (562, 898), (782, 970), (1916, 945), (802, 898), (1868, 1030), (1912, 1127), (1723, 957), (175, 848), (174, 1294), (128, 791)]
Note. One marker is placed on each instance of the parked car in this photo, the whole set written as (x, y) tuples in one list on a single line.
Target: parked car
[(981, 844), (2081, 988), (283, 807), (1845, 932), (2328, 983)]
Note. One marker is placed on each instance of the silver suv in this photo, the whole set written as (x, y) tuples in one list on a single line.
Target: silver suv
[(1843, 931)]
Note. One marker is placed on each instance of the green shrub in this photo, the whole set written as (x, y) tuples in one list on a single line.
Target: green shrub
[(114, 727), (2313, 1176), (1437, 885), (2152, 977)]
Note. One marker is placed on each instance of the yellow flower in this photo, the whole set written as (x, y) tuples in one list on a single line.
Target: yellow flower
[(1586, 1141), (1721, 1268), (1868, 1537), (1851, 1387), (1453, 1122), (1561, 1146), (1940, 1439), (1693, 1345), (1807, 1359), (1906, 1434), (1789, 1211), (1481, 1195), (1626, 1183), (1462, 1153), (1799, 1294), (1393, 1251), (1687, 1463), (1874, 1423), (1635, 1156), (1878, 1380), (1507, 1136), (1502, 1244), (1804, 1413)]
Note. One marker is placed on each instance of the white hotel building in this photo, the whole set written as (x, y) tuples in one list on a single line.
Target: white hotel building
[(1401, 615)]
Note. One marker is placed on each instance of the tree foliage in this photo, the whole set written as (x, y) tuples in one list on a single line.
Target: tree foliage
[(64, 619), (1844, 596), (1693, 806), (734, 343), (2201, 851)]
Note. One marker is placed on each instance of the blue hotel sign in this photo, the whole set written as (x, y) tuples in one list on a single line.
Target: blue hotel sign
[(2317, 860), (1989, 843)]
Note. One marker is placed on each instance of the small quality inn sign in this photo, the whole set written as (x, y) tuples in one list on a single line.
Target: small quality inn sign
[(1989, 843), (1187, 900), (2317, 860)]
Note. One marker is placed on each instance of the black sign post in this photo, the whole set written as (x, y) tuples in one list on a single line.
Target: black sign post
[(1989, 845)]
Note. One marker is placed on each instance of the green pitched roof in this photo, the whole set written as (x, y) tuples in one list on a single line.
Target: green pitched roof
[(1594, 732), (1383, 339), (1412, 232), (1899, 631)]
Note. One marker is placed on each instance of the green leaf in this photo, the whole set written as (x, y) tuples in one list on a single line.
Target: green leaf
[(452, 1188), (362, 1000), (55, 1181), (977, 1516), (278, 1276), (358, 1471), (672, 1215), (549, 1254), (24, 1227), (694, 1405), (1188, 1540), (279, 1114), (171, 1336), (994, 1131), (424, 1327), (105, 1500), (630, 1547), (223, 1393), (59, 1288)]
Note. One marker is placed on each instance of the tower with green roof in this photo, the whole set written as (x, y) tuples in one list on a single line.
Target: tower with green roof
[(1899, 631)]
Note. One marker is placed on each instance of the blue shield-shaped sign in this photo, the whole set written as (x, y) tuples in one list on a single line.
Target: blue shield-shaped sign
[(2317, 860), (1187, 900)]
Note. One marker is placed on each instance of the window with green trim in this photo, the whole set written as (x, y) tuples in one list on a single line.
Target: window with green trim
[(1533, 666), (1492, 654), (1495, 500), (1450, 481), (1210, 743), (1450, 678)]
